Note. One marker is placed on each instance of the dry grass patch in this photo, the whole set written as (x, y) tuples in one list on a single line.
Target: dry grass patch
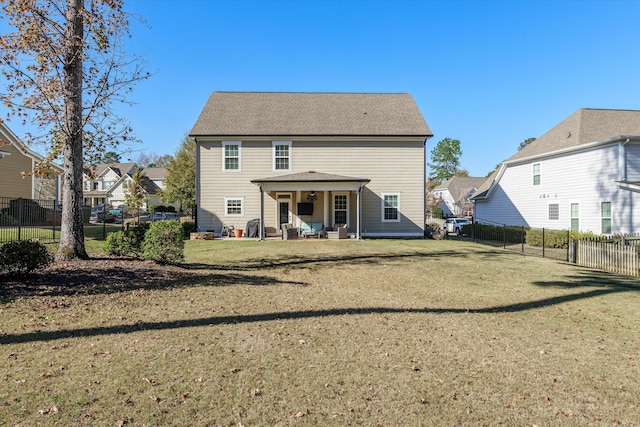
[(378, 332)]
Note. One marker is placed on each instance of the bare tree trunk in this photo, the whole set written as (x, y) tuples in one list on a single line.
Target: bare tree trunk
[(71, 231)]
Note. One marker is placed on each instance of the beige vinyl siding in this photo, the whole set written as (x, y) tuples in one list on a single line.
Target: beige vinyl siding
[(12, 183), (393, 166)]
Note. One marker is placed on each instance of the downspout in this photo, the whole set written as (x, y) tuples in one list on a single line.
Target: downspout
[(359, 214), (424, 190), (261, 233)]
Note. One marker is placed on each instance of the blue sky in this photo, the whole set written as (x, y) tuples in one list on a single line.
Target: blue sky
[(489, 73)]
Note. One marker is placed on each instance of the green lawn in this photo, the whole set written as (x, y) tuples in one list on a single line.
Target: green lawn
[(317, 332)]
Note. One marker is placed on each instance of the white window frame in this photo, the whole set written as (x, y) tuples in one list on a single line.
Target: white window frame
[(398, 195), (224, 156), (226, 206), (333, 206), (273, 155), (610, 217), (571, 217), (539, 174), (557, 204)]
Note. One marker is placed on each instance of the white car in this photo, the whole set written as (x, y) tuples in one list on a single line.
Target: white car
[(454, 225)]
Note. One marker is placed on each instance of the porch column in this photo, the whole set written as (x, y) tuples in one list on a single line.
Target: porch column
[(261, 232), (359, 214), (326, 209)]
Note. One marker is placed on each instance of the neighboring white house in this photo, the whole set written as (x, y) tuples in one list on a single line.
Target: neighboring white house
[(583, 174), (455, 193), (312, 160), (109, 184)]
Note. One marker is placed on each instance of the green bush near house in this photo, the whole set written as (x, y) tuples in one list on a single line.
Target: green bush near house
[(163, 242), (7, 220), (127, 242), (22, 258), (188, 227)]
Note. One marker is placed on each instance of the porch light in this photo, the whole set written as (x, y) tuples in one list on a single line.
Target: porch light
[(312, 196)]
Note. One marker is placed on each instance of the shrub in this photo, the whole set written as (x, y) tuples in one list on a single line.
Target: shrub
[(160, 208), (24, 257), (188, 227), (552, 238), (163, 242), (7, 219), (171, 208), (126, 242)]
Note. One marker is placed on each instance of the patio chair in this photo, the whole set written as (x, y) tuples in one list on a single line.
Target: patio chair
[(338, 231), (227, 230)]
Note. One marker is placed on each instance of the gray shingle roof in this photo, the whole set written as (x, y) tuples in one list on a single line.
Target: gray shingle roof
[(155, 173), (582, 127), (587, 125), (459, 186), (319, 113)]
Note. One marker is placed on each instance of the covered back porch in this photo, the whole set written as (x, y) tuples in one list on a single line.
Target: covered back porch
[(310, 202)]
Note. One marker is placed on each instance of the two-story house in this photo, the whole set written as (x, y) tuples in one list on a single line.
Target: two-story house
[(17, 163), (454, 195), (108, 183), (312, 160), (583, 174)]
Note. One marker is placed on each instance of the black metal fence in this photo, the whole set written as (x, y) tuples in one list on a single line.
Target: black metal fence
[(618, 254), (25, 219)]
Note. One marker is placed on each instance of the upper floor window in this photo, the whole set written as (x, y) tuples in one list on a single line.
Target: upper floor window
[(281, 155), (390, 207), (231, 155), (605, 214), (536, 174)]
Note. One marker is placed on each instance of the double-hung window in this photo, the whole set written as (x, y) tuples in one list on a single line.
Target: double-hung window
[(575, 217), (281, 155), (340, 208), (536, 174), (390, 207), (605, 214), (231, 155), (234, 206)]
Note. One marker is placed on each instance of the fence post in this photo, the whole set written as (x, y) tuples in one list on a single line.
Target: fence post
[(19, 218), (53, 237), (104, 221), (568, 241), (542, 242), (504, 236), (522, 237)]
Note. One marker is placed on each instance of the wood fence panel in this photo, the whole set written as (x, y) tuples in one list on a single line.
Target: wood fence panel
[(616, 258)]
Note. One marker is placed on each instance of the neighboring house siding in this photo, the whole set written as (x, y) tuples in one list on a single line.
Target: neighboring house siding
[(633, 162), (12, 183), (392, 167), (587, 178)]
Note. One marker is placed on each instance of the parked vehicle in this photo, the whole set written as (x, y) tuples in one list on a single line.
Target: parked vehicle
[(100, 213), (454, 225)]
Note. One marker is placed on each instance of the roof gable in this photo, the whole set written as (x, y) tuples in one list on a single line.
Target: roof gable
[(585, 126), (320, 113)]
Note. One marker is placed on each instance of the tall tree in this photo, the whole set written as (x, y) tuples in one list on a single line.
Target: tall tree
[(181, 176), (110, 157), (445, 159), (64, 67), (153, 160), (525, 143), (136, 194)]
